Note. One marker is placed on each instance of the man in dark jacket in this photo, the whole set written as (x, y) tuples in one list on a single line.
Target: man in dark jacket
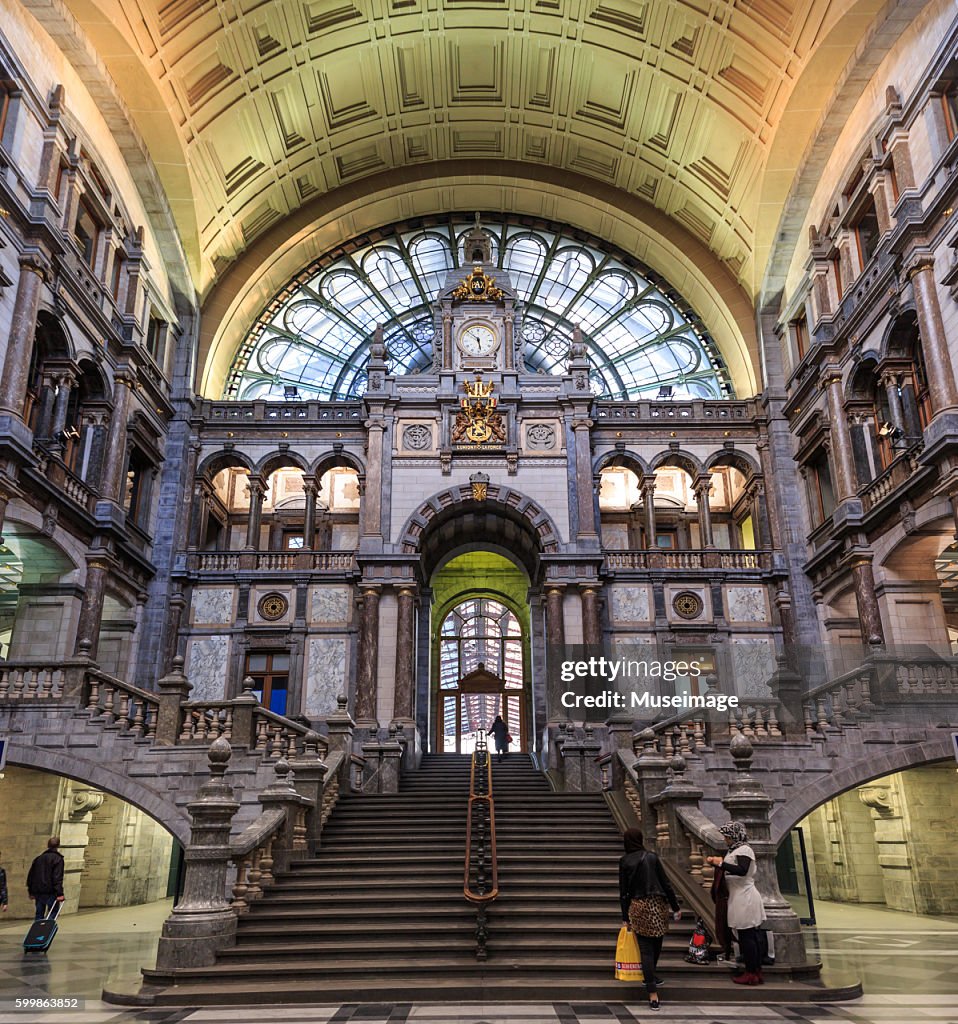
[(45, 879), (3, 891)]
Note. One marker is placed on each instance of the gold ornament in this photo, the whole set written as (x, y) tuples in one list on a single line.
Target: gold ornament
[(477, 421), (478, 287)]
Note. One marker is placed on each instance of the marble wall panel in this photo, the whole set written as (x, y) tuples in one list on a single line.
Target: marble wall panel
[(325, 674), (206, 668)]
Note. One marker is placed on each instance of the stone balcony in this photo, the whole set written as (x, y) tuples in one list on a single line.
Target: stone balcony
[(326, 562), (706, 560)]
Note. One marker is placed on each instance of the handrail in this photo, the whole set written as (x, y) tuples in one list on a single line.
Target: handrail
[(481, 814)]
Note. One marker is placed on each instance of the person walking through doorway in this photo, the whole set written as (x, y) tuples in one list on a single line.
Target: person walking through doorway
[(45, 878), (3, 891), (746, 911), (646, 894), (500, 734)]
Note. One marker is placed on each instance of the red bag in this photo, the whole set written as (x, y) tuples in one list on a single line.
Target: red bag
[(508, 737)]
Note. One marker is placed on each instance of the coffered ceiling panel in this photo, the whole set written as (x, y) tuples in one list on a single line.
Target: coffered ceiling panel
[(274, 104)]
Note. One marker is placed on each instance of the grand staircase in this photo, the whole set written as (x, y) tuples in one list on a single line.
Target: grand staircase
[(378, 915)]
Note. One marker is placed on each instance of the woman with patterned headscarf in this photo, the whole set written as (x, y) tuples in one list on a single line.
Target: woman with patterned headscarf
[(746, 911)]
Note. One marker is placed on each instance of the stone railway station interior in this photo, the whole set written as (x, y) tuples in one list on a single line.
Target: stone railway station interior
[(363, 361)]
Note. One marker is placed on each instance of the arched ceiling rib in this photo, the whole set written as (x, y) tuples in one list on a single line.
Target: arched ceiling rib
[(274, 104)]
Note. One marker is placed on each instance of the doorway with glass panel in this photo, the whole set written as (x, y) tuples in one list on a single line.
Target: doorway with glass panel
[(480, 651)]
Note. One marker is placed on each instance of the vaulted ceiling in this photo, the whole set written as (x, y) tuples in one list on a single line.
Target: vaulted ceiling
[(699, 112)]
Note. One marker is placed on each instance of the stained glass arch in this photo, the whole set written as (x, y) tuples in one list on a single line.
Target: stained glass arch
[(312, 340)]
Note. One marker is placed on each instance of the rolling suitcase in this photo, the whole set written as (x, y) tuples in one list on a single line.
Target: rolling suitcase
[(42, 932)]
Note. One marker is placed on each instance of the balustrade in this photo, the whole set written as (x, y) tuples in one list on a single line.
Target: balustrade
[(730, 561), (272, 561)]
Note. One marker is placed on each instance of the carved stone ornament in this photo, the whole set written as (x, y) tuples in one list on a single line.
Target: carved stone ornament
[(478, 422), (416, 438), (273, 606), (541, 437), (687, 604)]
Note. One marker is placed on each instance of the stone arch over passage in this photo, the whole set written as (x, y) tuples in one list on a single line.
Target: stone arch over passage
[(106, 775), (857, 773), (500, 506)]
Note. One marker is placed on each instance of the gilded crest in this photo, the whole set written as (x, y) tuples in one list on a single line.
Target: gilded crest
[(478, 287), (477, 421)]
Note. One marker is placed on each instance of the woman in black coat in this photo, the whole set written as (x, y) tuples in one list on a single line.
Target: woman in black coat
[(646, 895), (500, 733)]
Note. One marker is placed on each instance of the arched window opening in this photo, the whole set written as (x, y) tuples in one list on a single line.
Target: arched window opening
[(314, 335)]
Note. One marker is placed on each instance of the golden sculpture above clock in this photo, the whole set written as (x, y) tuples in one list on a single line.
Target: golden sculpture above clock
[(478, 287)]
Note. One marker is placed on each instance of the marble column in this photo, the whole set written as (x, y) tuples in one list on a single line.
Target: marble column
[(509, 355), (762, 524), (114, 461), (942, 385), (555, 618), (843, 459), (591, 620), (16, 363), (405, 657), (309, 520), (257, 493), (648, 499), (91, 606), (65, 385), (702, 486), (367, 671), (869, 615)]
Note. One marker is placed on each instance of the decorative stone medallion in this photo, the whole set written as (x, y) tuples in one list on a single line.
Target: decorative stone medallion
[(273, 606), (541, 437), (687, 604), (416, 438)]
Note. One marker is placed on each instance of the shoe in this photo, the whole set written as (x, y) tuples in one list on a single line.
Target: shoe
[(654, 1004), (659, 983), (748, 978), (768, 961)]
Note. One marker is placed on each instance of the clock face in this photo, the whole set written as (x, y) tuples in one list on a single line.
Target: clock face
[(478, 340)]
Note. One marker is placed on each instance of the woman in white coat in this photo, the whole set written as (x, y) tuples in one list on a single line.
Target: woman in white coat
[(746, 911)]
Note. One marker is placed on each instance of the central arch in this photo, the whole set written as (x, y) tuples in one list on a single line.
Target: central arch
[(480, 560)]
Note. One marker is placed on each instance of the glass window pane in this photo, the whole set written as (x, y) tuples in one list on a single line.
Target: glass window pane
[(256, 662), (315, 333)]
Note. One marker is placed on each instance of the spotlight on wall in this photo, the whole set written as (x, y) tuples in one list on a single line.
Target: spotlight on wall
[(890, 431), (291, 393), (666, 391)]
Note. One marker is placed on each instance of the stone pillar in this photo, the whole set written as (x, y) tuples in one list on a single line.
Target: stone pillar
[(174, 688), (509, 361), (309, 521), (702, 486), (257, 493), (16, 363), (647, 490), (555, 618), (942, 385), (309, 772), (203, 922), (368, 668), (339, 727), (114, 461), (581, 426), (447, 341), (91, 607), (405, 657), (372, 496), (869, 615), (843, 459), (760, 517), (748, 802), (591, 620)]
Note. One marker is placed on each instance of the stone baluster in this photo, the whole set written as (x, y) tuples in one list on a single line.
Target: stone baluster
[(748, 802), (339, 728), (203, 922), (286, 846)]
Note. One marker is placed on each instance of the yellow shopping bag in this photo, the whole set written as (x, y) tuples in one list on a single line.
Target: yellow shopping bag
[(628, 966)]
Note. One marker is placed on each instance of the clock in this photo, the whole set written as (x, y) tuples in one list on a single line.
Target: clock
[(478, 340)]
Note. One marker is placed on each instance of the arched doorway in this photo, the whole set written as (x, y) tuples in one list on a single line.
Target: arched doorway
[(481, 652)]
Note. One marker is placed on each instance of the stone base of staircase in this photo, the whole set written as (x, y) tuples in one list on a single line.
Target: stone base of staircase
[(378, 915)]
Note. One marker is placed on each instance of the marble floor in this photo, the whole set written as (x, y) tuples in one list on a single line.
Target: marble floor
[(908, 965)]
